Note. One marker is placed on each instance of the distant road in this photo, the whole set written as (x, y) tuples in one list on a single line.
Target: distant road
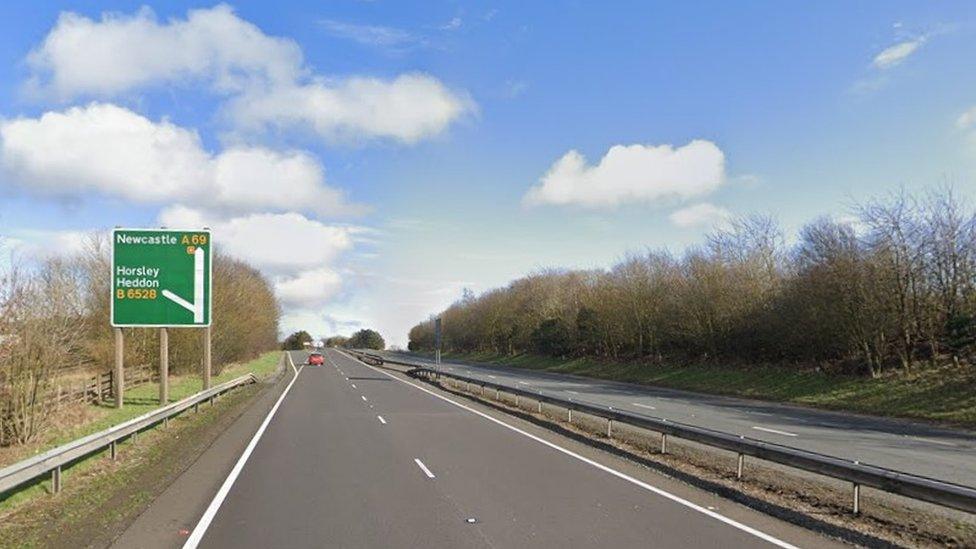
[(358, 457), (913, 447)]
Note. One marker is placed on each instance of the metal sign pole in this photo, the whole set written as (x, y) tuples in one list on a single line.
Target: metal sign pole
[(206, 358), (163, 366), (119, 374), (437, 342)]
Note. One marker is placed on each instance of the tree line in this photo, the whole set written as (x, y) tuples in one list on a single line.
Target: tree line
[(54, 315), (892, 286), (362, 339)]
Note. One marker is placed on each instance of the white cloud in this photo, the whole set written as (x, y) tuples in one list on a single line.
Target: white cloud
[(110, 150), (264, 77), (298, 254), (967, 119), (312, 288), (41, 244), (282, 244), (103, 58), (700, 215), (632, 173), (897, 53), (369, 35), (453, 24), (408, 108)]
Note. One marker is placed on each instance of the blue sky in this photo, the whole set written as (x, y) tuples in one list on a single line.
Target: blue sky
[(406, 138)]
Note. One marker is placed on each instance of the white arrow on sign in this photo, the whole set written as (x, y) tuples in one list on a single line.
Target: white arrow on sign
[(197, 306)]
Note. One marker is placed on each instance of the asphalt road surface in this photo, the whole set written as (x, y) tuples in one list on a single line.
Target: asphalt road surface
[(353, 456), (913, 447)]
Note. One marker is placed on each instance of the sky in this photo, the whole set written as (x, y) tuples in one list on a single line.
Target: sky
[(375, 158)]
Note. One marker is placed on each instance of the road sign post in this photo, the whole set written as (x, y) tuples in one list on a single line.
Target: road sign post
[(161, 278), (163, 366), (118, 377), (206, 358), (437, 341)]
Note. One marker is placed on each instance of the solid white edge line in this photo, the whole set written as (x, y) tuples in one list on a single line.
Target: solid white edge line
[(423, 468), (383, 421), (201, 528), (623, 476), (774, 431)]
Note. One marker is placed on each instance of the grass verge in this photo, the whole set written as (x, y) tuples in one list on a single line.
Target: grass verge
[(84, 419), (945, 394), (102, 497)]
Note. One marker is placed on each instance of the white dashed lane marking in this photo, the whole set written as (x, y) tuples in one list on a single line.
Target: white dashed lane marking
[(775, 432)]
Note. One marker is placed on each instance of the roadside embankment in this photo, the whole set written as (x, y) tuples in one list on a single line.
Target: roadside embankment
[(944, 394), (101, 495)]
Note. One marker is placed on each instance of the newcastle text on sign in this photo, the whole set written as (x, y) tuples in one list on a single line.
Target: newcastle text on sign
[(161, 277)]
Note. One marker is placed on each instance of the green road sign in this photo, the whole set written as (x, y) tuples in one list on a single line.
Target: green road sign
[(161, 278)]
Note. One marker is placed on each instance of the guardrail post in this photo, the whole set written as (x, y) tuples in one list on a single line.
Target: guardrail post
[(857, 499), (738, 469), (56, 479), (518, 401), (664, 443), (497, 394), (113, 450)]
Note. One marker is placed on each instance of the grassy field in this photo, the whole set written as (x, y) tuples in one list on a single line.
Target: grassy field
[(83, 420), (945, 394)]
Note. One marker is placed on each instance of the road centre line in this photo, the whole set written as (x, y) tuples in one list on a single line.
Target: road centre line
[(353, 385), (639, 405), (201, 528), (774, 431), (363, 397), (423, 468), (383, 421), (623, 476)]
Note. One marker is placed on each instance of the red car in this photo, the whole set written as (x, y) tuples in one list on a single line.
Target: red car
[(316, 359)]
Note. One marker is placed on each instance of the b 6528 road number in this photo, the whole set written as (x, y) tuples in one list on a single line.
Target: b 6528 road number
[(135, 293)]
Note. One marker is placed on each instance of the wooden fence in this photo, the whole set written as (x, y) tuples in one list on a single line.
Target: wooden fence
[(94, 389)]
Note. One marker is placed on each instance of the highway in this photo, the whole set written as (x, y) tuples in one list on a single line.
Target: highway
[(354, 456), (913, 447)]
